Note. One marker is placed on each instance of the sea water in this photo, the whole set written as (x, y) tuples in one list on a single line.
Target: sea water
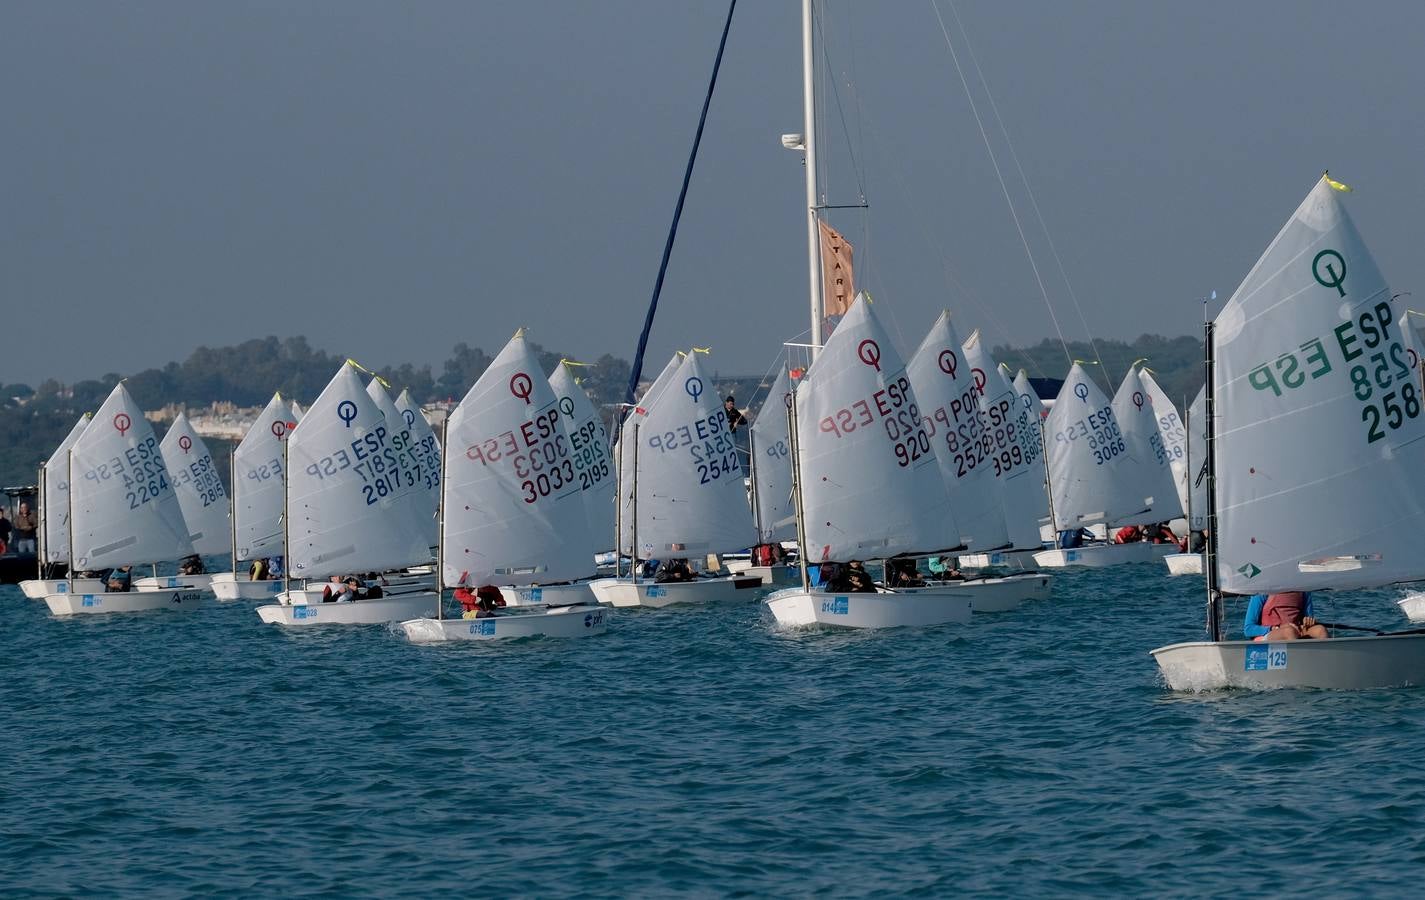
[(693, 751)]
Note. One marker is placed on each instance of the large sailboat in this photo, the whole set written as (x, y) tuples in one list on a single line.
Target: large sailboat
[(1316, 458)]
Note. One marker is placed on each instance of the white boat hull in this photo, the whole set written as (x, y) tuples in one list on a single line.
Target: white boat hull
[(549, 595), (228, 586), (1098, 556), (1184, 563), (626, 593), (559, 622), (1022, 560), (992, 595), (362, 612), (1413, 607), (38, 589), (174, 583), (1345, 663), (796, 608), (67, 604)]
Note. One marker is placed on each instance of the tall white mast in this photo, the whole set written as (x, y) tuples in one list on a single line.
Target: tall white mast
[(809, 145)]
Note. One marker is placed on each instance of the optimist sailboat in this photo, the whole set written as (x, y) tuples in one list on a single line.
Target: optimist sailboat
[(1010, 423), (513, 506), (687, 496), (122, 510), (356, 501), (589, 454), (1316, 458), (258, 477), (867, 481), (973, 434), (770, 465), (1192, 487), (202, 499), (54, 530), (1107, 465)]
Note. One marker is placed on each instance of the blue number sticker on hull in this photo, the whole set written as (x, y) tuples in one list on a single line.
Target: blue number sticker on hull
[(303, 612), (839, 606), (483, 627)]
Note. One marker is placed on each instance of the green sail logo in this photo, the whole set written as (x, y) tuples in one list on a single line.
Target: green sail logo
[(1250, 570)]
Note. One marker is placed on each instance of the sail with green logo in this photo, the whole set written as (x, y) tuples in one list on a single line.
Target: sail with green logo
[(1319, 437)]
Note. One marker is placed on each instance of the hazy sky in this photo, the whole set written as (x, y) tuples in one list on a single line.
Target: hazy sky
[(391, 178)]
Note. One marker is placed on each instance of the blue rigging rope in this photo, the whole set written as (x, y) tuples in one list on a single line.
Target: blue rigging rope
[(636, 372)]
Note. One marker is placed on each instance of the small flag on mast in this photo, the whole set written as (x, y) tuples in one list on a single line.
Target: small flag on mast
[(1343, 188)]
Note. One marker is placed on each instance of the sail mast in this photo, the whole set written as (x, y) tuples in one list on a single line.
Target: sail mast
[(1214, 593), (440, 521), (232, 505), (801, 515), (40, 558), (809, 159)]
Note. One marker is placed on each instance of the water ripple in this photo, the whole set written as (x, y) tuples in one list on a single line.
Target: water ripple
[(698, 752)]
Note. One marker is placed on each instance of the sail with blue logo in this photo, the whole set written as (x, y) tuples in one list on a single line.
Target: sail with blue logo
[(692, 500), (427, 460), (1093, 477), (356, 501), (589, 441)]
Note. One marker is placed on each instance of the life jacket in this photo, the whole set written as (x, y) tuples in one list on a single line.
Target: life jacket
[(1286, 608), (1128, 534)]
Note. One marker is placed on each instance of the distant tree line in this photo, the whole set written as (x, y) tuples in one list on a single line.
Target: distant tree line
[(34, 420)]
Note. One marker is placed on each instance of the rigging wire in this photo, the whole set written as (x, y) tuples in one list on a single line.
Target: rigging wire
[(994, 107), (994, 161)]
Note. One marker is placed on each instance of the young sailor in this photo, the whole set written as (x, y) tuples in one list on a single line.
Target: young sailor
[(1281, 617)]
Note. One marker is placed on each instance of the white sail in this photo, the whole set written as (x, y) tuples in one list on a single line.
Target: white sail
[(257, 484), (414, 416), (414, 432), (776, 512), (625, 458), (54, 515), (1173, 432), (1093, 478), (199, 487), (871, 485), (356, 492), (1197, 459), (691, 497), (589, 444), (1148, 470), (514, 510), (1011, 438), (960, 435), (1021, 496), (123, 507), (1320, 462)]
